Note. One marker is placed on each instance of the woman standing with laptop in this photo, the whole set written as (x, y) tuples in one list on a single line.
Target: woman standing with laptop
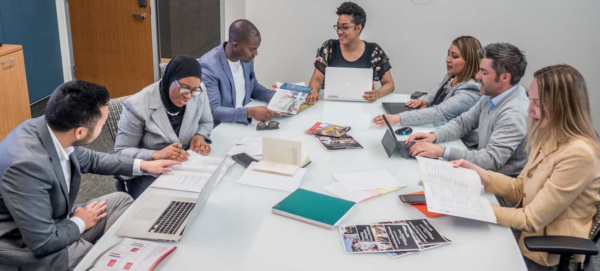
[(557, 190), (349, 51)]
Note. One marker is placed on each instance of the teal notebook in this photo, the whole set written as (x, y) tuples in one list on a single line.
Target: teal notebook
[(314, 208)]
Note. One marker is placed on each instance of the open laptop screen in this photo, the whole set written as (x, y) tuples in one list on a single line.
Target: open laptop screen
[(389, 140), (205, 193)]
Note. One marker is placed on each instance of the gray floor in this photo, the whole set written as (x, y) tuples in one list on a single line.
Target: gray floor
[(93, 186)]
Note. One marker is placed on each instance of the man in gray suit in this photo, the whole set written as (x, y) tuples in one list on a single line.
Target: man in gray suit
[(500, 116), (228, 73), (40, 169)]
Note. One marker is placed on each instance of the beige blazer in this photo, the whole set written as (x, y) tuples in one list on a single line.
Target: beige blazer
[(557, 193)]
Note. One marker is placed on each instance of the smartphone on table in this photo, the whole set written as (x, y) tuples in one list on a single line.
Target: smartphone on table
[(243, 159), (413, 199)]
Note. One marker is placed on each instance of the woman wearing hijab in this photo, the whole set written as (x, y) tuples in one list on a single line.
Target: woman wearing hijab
[(165, 119)]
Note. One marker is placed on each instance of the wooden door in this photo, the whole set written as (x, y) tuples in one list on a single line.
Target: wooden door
[(112, 44), (14, 99)]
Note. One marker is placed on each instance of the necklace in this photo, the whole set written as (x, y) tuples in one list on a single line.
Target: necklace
[(448, 85), (172, 114)]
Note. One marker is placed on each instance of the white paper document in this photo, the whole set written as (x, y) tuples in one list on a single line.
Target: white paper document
[(272, 181), (204, 164), (250, 145), (367, 180), (341, 192), (192, 174), (183, 181), (454, 191)]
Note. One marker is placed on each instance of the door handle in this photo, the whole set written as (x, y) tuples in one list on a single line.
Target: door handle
[(8, 61), (143, 15)]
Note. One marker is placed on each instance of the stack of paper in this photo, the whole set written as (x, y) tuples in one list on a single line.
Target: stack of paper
[(272, 181), (192, 174), (250, 145), (361, 186)]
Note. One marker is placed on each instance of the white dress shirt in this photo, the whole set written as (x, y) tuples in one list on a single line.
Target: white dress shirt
[(240, 82), (65, 163)]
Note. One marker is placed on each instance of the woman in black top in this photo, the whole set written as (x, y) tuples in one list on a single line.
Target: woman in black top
[(352, 52)]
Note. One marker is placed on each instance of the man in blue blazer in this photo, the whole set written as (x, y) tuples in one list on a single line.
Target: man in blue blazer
[(228, 74)]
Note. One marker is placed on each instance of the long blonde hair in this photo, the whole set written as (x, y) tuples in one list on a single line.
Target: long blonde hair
[(564, 108), (468, 47)]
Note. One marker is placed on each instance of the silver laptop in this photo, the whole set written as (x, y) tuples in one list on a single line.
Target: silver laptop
[(165, 217), (347, 84)]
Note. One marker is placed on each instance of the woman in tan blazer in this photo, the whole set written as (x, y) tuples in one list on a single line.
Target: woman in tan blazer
[(557, 190)]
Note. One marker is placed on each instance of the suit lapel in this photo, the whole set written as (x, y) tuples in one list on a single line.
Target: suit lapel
[(227, 70), (160, 116), (188, 117), (247, 84), (46, 139), (543, 152), (75, 179)]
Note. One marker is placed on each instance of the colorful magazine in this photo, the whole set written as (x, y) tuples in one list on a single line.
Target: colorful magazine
[(376, 238), (327, 129), (426, 235), (294, 87), (345, 142), (287, 101), (396, 238)]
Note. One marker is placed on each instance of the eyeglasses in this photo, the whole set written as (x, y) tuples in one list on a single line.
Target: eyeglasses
[(272, 125), (343, 28), (195, 91)]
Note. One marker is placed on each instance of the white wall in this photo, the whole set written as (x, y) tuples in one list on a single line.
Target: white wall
[(231, 11), (63, 32), (416, 37)]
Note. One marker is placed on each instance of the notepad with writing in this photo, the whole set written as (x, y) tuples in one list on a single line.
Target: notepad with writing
[(314, 208), (281, 156)]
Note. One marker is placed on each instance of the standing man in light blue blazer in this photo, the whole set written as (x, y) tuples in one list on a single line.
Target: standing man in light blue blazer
[(228, 73)]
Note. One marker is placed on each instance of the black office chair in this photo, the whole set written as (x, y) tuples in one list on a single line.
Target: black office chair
[(567, 246), (115, 107)]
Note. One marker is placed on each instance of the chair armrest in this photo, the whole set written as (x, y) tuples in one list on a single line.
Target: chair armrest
[(120, 178), (561, 245)]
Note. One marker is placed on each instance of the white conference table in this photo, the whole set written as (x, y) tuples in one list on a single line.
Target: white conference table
[(237, 231)]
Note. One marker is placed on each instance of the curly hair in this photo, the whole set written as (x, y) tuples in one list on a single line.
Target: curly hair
[(359, 17)]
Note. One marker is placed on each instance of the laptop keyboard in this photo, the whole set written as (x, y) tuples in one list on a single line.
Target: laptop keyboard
[(172, 218), (406, 147)]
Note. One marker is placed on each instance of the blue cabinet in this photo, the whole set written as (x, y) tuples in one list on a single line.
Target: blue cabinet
[(33, 24)]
